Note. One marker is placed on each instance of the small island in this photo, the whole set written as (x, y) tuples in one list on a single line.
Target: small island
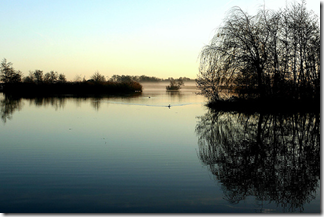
[(175, 84)]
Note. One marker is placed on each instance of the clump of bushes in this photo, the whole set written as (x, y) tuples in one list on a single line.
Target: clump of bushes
[(175, 84)]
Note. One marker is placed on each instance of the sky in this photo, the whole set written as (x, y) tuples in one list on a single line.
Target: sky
[(161, 38)]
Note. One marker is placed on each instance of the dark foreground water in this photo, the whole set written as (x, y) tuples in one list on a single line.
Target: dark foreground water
[(135, 154)]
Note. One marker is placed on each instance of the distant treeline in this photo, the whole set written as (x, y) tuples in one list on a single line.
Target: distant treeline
[(144, 78), (52, 82), (37, 83)]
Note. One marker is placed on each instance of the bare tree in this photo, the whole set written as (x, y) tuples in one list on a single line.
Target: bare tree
[(38, 76), (301, 46), (97, 77), (62, 78), (54, 76), (211, 75), (175, 84), (8, 74), (273, 52), (239, 49), (51, 77)]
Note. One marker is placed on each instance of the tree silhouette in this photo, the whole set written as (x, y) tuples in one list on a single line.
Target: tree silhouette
[(8, 74), (271, 54), (62, 78), (175, 84), (51, 77), (8, 106), (38, 76), (97, 77)]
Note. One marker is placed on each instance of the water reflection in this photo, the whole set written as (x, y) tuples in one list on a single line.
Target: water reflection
[(55, 102), (10, 104), (175, 93), (273, 157)]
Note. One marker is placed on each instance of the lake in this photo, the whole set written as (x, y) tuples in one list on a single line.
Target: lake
[(135, 154)]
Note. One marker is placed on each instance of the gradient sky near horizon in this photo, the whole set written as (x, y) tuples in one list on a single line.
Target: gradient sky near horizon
[(131, 37)]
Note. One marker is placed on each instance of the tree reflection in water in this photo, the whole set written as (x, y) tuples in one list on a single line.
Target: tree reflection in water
[(274, 157), (8, 105), (56, 102)]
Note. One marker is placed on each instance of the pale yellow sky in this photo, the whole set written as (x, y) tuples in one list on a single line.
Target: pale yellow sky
[(153, 38)]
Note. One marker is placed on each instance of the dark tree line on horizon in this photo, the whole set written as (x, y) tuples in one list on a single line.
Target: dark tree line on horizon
[(274, 54), (37, 83), (9, 75), (144, 78)]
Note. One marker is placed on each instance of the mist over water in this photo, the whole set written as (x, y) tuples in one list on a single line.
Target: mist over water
[(135, 154)]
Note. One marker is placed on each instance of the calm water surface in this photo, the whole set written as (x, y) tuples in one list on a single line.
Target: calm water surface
[(135, 154)]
